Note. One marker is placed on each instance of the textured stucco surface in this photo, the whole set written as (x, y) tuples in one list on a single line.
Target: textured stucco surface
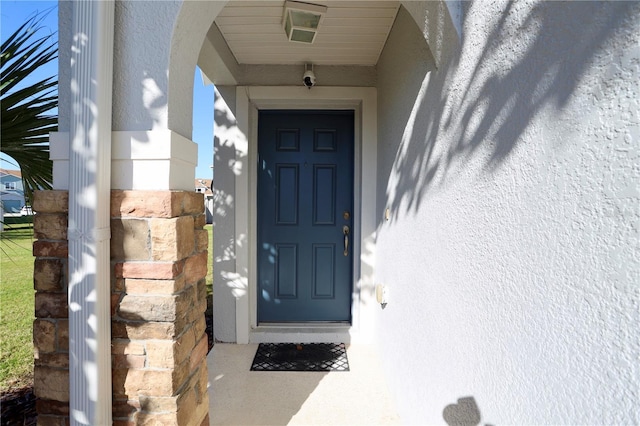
[(511, 254), (142, 41), (157, 45), (65, 20), (509, 162), (224, 229)]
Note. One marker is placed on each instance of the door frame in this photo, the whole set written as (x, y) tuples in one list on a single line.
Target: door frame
[(363, 100)]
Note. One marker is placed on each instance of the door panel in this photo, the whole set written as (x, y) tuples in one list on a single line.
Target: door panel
[(324, 194), (324, 270), (287, 178), (286, 273), (305, 184)]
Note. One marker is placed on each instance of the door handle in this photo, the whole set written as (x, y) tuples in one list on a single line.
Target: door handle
[(345, 231)]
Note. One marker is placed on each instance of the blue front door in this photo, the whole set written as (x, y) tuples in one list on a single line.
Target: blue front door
[(305, 215)]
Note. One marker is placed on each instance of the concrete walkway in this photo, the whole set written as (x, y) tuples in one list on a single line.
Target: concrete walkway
[(239, 396)]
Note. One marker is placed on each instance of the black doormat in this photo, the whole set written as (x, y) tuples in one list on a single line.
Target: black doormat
[(300, 357)]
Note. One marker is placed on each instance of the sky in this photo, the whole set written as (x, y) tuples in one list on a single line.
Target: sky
[(13, 13)]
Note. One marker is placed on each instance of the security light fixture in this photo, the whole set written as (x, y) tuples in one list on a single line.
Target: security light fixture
[(302, 20)]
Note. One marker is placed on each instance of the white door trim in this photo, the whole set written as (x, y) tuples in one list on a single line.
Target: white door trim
[(363, 100)]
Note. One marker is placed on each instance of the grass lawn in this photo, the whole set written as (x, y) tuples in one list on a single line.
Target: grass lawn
[(16, 306), (209, 268)]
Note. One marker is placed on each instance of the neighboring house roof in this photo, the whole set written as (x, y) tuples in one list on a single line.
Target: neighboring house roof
[(203, 186), (11, 182), (14, 173), (12, 196)]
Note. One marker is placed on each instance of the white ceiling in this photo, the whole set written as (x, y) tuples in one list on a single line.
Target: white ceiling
[(352, 33)]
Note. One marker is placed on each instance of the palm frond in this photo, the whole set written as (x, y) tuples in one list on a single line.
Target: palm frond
[(27, 111)]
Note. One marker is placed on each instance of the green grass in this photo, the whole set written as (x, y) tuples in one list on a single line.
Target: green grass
[(16, 306), (209, 269)]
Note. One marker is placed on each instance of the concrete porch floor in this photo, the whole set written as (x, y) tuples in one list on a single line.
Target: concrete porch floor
[(238, 396)]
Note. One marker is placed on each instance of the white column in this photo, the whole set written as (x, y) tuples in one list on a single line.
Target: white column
[(89, 198)]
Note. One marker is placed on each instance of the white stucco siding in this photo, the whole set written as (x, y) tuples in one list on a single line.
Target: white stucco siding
[(158, 45), (226, 156), (143, 32), (189, 32), (65, 37), (156, 49), (511, 253)]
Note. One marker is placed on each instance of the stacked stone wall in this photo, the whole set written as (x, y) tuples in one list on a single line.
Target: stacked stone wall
[(51, 326), (159, 341), (158, 300)]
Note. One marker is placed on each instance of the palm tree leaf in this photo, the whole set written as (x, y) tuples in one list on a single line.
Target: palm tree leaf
[(26, 110), (17, 68), (35, 91)]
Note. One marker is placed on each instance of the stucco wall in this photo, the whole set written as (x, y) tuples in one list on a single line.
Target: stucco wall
[(224, 229), (157, 46), (65, 36), (142, 37), (511, 252)]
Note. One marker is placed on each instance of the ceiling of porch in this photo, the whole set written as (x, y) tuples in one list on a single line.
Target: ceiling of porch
[(352, 33)]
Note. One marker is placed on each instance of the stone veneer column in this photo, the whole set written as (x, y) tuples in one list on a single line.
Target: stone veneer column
[(159, 343), (51, 326)]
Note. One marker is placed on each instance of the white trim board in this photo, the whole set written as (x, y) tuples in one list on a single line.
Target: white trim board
[(363, 100), (140, 160)]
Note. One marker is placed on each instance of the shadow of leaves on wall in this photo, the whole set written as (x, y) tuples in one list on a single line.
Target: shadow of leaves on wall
[(230, 158), (480, 106), (142, 98)]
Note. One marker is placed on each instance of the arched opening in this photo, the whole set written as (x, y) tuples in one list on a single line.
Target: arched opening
[(465, 114), (156, 223), (230, 55), (243, 89)]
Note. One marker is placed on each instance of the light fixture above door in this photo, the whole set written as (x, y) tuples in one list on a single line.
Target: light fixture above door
[(302, 20)]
